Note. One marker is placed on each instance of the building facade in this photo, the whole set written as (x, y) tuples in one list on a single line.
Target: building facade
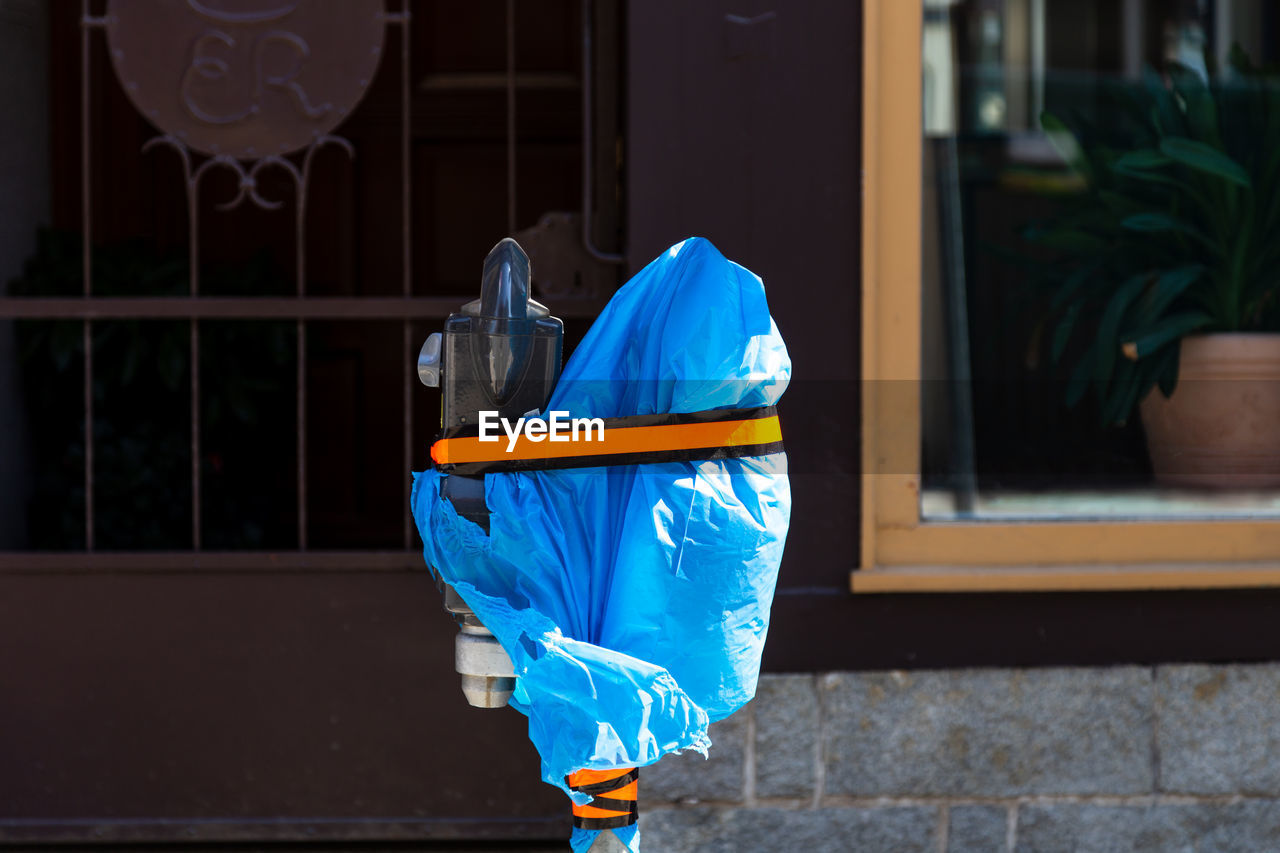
[(996, 626)]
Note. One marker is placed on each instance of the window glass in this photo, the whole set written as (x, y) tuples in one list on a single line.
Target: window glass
[(1101, 259)]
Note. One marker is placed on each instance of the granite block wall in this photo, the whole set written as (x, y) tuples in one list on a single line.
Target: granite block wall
[(1128, 758)]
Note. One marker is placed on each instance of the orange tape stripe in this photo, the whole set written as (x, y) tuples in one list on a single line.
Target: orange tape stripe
[(593, 811), (590, 777), (623, 794), (651, 439)]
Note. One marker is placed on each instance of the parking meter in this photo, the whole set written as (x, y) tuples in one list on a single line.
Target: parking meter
[(499, 353), (610, 589)]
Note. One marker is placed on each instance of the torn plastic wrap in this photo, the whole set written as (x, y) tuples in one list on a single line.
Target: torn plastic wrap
[(634, 599)]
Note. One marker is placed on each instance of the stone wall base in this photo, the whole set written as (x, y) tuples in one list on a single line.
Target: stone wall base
[(1165, 758)]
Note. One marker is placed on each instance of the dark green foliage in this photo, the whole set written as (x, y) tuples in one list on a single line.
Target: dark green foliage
[(142, 405), (1175, 233)]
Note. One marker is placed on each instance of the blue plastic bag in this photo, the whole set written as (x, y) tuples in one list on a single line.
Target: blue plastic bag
[(634, 600)]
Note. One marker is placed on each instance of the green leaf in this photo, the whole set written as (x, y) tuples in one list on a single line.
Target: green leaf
[(1168, 287), (1063, 140), (1072, 284), (1153, 222), (1147, 341), (1158, 222), (1124, 393), (1164, 115), (1109, 326), (1147, 158), (1078, 384), (1201, 111), (1062, 332), (1119, 203), (1163, 179), (1204, 158)]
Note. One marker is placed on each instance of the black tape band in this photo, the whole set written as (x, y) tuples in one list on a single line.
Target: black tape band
[(628, 811), (608, 822), (595, 789)]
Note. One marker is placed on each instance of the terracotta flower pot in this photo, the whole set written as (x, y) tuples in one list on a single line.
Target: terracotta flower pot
[(1221, 427)]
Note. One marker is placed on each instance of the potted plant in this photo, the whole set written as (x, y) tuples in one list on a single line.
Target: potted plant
[(1165, 270)]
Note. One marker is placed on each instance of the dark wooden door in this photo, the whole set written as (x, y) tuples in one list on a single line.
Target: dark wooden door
[(253, 689), (745, 127)]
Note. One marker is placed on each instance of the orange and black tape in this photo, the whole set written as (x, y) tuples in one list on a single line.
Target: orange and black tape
[(614, 797), (634, 440)]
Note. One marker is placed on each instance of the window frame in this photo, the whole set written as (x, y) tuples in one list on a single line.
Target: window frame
[(899, 551)]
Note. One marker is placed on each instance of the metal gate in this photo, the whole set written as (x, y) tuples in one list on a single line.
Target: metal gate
[(251, 109), (230, 52)]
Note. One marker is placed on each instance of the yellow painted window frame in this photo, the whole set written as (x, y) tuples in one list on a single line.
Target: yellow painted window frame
[(900, 553)]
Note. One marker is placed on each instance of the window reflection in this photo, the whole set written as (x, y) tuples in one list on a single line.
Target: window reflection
[(1098, 187)]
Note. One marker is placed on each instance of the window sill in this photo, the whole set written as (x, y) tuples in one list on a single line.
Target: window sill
[(883, 579), (1127, 504)]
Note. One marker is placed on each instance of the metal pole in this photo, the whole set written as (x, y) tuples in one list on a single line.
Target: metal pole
[(607, 842)]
